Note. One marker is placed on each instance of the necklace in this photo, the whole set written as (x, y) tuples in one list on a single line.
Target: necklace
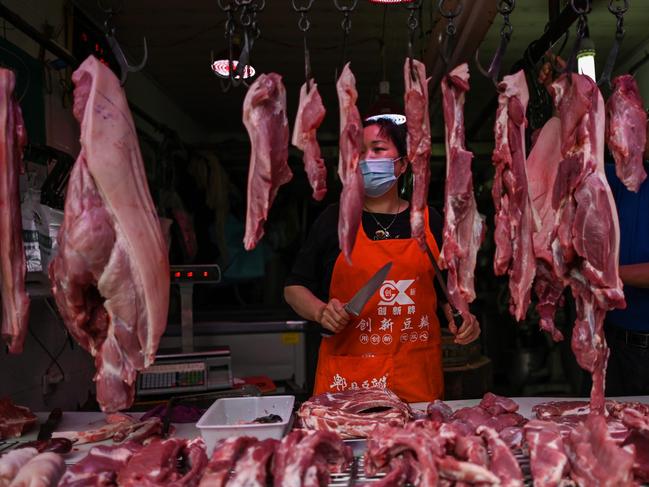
[(383, 232)]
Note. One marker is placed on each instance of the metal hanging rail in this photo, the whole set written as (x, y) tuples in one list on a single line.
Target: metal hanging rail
[(536, 50)]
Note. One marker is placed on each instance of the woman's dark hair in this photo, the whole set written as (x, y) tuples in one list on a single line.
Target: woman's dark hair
[(395, 132)]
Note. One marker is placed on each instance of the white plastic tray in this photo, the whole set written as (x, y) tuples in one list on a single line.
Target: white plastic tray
[(224, 418)]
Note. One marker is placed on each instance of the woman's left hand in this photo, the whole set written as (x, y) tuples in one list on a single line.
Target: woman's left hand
[(468, 331)]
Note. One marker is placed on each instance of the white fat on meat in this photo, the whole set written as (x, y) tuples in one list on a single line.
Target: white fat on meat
[(548, 460), (501, 459), (252, 468), (354, 413), (514, 223), (463, 225), (12, 462), (44, 470), (585, 246), (542, 169), (110, 278)]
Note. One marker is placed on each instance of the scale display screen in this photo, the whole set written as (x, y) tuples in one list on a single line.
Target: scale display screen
[(198, 274)]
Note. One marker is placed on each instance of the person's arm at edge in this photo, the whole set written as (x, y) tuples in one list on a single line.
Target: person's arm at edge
[(331, 315), (636, 275)]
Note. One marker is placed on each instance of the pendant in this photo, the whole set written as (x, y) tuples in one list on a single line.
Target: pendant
[(381, 234)]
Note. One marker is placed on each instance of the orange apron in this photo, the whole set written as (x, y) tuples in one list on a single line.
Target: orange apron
[(395, 342)]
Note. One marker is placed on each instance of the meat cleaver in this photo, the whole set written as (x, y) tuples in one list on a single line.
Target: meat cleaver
[(48, 427), (355, 305)]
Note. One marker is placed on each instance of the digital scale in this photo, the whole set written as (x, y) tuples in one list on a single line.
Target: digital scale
[(196, 372), (185, 276), (188, 370)]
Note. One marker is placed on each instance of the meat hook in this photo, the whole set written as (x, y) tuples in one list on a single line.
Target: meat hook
[(619, 12), (124, 65), (582, 32), (505, 8), (304, 25), (446, 42), (346, 25), (413, 23), (120, 57)]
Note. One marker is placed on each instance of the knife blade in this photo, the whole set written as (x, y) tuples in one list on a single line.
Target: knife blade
[(356, 304), (48, 427), (457, 317)]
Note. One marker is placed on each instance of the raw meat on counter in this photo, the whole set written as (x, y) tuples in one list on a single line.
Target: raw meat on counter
[(43, 470), (252, 468), (626, 131), (100, 466), (264, 115), (422, 453), (12, 462), (15, 303), (306, 458), (419, 143), (548, 459), (225, 456), (302, 458), (119, 427), (15, 420), (463, 225), (355, 412), (110, 278), (351, 147), (595, 459), (501, 459), (167, 462), (416, 444), (495, 412), (514, 224), (310, 114), (586, 245)]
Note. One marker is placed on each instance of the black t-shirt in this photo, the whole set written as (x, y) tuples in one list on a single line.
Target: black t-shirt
[(314, 264)]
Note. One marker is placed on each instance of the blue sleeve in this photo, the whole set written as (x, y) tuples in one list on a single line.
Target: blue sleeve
[(613, 180)]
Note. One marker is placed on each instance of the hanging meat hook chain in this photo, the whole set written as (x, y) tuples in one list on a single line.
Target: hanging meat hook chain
[(230, 26), (346, 25), (413, 24), (582, 30), (451, 29), (251, 32), (505, 8), (304, 24), (619, 12), (109, 31)]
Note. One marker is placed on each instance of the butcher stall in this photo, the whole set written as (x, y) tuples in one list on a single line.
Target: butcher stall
[(169, 171)]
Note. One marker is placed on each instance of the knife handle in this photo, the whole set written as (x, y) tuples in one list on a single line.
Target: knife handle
[(324, 333)]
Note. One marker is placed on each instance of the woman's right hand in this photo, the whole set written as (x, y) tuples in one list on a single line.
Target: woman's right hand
[(333, 316)]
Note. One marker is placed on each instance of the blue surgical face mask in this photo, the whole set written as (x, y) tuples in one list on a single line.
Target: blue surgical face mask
[(378, 176)]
